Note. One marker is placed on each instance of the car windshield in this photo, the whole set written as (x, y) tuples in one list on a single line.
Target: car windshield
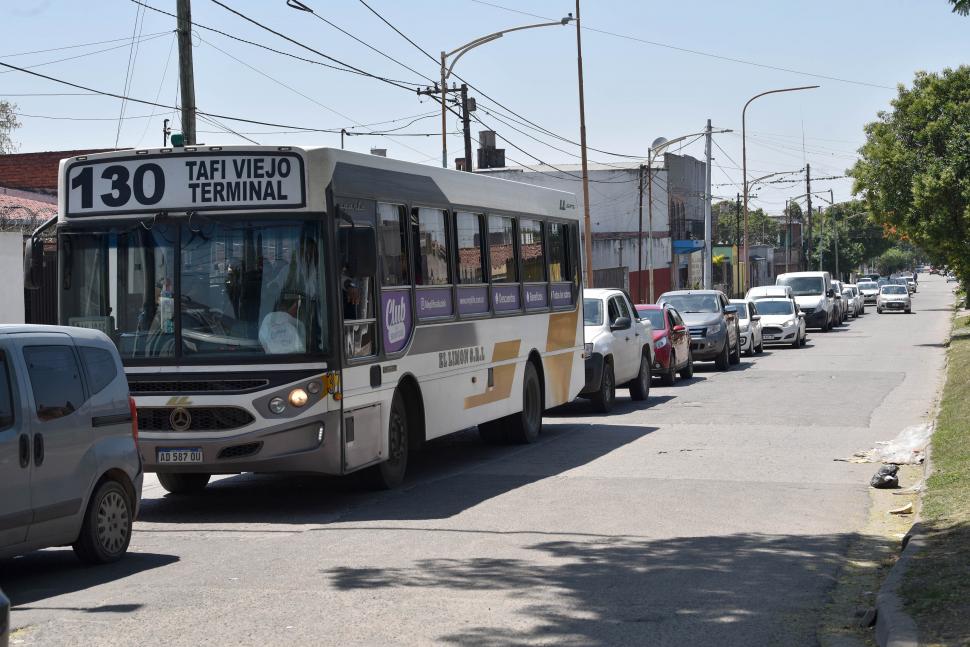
[(742, 309), (687, 303), (776, 307), (592, 312), (894, 289), (201, 289), (802, 286), (655, 317), (868, 286)]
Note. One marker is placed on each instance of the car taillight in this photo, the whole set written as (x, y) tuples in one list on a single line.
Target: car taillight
[(134, 418)]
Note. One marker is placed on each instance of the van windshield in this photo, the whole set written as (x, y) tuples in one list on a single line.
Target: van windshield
[(803, 286)]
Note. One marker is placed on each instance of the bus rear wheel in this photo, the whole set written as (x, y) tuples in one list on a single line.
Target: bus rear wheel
[(390, 473), (525, 426)]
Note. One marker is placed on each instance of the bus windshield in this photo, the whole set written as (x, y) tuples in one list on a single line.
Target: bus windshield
[(802, 286), (203, 288)]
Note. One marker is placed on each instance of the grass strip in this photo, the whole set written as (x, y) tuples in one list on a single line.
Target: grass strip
[(937, 583)]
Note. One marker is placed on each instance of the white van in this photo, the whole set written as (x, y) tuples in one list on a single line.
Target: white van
[(814, 295)]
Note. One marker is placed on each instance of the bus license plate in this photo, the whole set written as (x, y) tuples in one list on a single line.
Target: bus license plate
[(169, 456)]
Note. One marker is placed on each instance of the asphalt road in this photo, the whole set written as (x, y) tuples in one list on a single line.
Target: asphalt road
[(713, 515)]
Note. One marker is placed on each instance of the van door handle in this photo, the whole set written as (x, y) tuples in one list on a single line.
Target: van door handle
[(24, 450), (38, 449)]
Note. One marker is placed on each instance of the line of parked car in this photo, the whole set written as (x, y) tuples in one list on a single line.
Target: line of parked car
[(628, 344)]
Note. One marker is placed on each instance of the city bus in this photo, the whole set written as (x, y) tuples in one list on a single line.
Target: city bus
[(286, 309)]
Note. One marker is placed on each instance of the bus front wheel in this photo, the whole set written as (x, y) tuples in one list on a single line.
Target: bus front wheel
[(390, 473)]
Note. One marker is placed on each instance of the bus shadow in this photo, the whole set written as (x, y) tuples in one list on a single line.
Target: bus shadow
[(450, 475)]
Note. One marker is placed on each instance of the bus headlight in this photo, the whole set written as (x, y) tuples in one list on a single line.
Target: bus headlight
[(277, 405), (298, 397)]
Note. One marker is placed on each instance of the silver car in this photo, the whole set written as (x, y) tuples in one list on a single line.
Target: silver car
[(68, 444), (894, 297)]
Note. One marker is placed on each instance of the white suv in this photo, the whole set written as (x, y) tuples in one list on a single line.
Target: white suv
[(619, 347)]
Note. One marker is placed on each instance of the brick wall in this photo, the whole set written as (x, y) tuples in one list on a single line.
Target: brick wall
[(36, 171)]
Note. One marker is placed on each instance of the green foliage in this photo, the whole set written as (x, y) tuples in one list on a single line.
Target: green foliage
[(8, 123), (762, 230), (850, 228), (895, 260), (914, 173), (961, 7)]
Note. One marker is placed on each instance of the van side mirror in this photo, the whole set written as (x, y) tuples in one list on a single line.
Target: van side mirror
[(34, 264), (755, 317), (830, 293), (621, 323)]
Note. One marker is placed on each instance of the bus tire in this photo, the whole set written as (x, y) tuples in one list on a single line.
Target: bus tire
[(389, 474), (524, 427), (179, 483)]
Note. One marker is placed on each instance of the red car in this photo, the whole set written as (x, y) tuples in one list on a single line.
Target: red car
[(671, 343)]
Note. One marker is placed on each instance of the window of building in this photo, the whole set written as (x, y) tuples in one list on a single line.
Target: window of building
[(501, 248), (531, 249), (431, 247), (392, 230), (99, 368), (55, 380), (471, 269)]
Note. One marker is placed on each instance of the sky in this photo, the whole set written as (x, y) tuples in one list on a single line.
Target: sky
[(651, 69)]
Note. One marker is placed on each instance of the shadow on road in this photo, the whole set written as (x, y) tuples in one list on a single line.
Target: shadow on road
[(48, 573), (452, 474), (735, 589)]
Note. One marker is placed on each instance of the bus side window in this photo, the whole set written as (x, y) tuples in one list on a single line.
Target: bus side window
[(471, 266), (531, 251), (392, 223), (557, 252), (357, 299), (430, 245), (501, 239)]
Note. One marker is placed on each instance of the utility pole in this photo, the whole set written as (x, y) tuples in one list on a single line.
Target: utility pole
[(640, 240), (650, 227), (835, 230), (737, 259), (587, 225), (808, 191), (708, 228), (821, 241), (466, 123), (444, 112), (186, 77)]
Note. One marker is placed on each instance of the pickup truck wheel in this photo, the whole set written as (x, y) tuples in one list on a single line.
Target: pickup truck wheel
[(640, 385), (670, 376), (687, 372), (605, 398), (723, 361)]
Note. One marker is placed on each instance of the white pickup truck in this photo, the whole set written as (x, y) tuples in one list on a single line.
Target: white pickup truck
[(619, 347)]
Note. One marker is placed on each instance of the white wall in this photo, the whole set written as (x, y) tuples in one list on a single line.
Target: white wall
[(11, 277)]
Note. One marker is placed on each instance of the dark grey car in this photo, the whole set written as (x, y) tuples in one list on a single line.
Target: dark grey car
[(68, 444), (713, 324)]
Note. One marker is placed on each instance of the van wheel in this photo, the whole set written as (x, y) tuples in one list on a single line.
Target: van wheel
[(390, 473), (640, 386), (605, 398), (177, 483), (687, 372), (106, 530), (524, 427)]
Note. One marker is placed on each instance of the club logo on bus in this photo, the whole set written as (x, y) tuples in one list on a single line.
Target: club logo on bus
[(395, 319)]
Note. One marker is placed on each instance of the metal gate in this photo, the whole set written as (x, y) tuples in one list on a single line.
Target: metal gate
[(40, 305)]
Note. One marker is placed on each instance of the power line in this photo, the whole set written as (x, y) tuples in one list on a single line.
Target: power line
[(99, 51), (100, 42), (161, 84), (132, 57), (701, 53)]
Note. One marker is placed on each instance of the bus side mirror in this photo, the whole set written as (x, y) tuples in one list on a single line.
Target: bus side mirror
[(34, 264), (362, 250)]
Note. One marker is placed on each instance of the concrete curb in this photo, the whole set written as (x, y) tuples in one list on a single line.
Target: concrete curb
[(894, 627)]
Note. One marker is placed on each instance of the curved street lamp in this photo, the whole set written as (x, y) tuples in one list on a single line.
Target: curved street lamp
[(457, 53), (744, 170)]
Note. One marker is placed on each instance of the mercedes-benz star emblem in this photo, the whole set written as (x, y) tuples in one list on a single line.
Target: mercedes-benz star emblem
[(180, 419)]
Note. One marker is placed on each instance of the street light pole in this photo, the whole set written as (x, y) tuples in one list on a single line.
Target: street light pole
[(458, 53), (587, 225), (744, 160)]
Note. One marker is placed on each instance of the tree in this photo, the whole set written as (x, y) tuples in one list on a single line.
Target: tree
[(762, 230), (894, 260), (914, 170), (8, 123), (961, 7)]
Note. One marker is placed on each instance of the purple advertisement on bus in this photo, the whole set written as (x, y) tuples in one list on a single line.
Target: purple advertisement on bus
[(505, 297), (473, 300), (395, 319), (535, 297), (434, 302), (562, 294)]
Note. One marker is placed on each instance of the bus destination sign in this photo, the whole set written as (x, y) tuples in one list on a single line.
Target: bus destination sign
[(185, 182)]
